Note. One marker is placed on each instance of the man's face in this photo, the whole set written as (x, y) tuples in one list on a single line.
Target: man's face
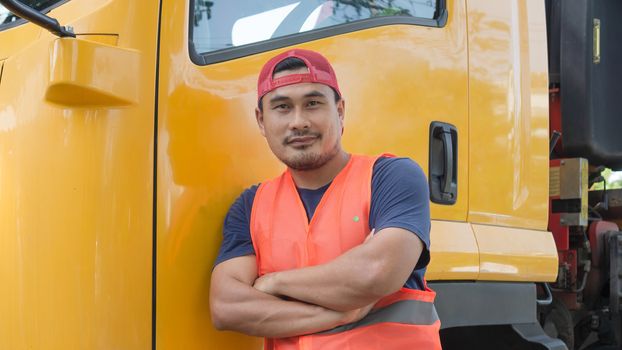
[(302, 123)]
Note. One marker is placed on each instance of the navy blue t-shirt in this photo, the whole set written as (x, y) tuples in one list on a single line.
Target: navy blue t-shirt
[(399, 198)]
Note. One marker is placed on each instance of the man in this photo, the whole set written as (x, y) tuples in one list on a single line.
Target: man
[(331, 254)]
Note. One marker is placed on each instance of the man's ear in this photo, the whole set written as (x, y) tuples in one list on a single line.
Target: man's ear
[(259, 118), (341, 110)]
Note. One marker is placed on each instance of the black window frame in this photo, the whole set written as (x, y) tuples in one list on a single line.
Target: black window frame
[(20, 21), (221, 55)]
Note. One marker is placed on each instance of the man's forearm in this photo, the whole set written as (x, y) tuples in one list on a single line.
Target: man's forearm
[(343, 284), (235, 305), (359, 277), (255, 313)]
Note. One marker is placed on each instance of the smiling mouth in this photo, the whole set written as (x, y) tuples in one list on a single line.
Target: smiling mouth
[(302, 140)]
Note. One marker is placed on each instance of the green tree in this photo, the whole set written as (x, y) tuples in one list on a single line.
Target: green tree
[(613, 180)]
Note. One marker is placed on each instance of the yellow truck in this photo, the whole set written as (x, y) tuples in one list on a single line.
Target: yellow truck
[(127, 130)]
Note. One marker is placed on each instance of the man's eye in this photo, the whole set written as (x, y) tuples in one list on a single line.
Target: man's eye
[(313, 103), (281, 106)]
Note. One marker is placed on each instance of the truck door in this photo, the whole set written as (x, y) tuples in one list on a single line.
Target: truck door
[(508, 153), (76, 177), (401, 66)]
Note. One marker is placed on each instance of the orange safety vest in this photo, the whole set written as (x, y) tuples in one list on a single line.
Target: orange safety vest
[(284, 239)]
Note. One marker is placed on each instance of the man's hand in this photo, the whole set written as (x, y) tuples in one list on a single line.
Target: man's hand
[(266, 283), (356, 314)]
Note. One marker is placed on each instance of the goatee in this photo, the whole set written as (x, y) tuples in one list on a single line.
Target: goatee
[(311, 161)]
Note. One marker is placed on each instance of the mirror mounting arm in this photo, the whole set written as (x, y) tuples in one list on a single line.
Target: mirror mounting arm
[(38, 18)]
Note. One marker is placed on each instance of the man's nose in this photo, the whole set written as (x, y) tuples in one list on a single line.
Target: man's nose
[(299, 119)]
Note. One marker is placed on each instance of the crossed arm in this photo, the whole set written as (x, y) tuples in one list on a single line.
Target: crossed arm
[(325, 296), (236, 305)]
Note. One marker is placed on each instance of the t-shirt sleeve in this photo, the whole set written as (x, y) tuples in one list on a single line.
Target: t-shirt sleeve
[(400, 198), (236, 239)]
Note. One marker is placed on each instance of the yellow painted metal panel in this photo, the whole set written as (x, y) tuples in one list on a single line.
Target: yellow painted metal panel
[(454, 252), (16, 38), (76, 188), (508, 89), (107, 39), (209, 147), (511, 254)]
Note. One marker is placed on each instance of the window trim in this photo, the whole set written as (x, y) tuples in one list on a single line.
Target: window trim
[(21, 21), (203, 59)]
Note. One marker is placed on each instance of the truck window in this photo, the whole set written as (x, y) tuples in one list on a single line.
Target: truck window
[(220, 25), (9, 20)]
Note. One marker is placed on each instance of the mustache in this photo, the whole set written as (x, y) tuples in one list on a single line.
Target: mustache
[(301, 133)]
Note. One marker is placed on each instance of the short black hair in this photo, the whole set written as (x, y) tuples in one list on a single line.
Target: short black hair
[(293, 63), (290, 63)]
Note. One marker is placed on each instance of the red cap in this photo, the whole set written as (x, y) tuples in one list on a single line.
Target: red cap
[(320, 71)]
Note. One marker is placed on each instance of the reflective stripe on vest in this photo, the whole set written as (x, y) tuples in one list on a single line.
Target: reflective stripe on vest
[(284, 239), (404, 311)]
